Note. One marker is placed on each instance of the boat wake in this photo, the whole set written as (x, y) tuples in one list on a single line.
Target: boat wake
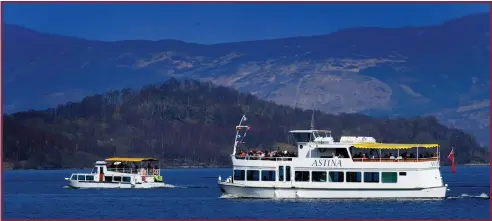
[(464, 195), (197, 187), (227, 196)]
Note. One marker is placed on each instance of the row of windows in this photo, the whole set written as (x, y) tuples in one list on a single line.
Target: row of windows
[(106, 178), (125, 179), (82, 177), (318, 176), (350, 177), (254, 175)]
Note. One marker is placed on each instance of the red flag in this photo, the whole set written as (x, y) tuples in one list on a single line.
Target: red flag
[(451, 158)]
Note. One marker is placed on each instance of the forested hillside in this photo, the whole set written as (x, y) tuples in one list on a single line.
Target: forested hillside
[(188, 123)]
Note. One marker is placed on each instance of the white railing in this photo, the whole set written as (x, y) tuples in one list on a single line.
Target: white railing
[(239, 157), (146, 171), (122, 170), (427, 159)]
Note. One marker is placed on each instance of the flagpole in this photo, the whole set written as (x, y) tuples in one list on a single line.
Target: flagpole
[(451, 158)]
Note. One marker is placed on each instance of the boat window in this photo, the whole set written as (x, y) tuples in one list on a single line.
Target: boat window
[(335, 176), (268, 175), (403, 173), (287, 173), (74, 177), (108, 178), (389, 177), (117, 179), (126, 179), (354, 177), (89, 178), (302, 137), (281, 173), (81, 177), (239, 175), (301, 176), (253, 175), (319, 176), (371, 177), (94, 170), (341, 152)]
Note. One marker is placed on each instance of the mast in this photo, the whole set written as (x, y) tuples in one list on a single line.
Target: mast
[(238, 135)]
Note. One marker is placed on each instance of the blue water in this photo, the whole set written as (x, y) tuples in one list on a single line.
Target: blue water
[(40, 195)]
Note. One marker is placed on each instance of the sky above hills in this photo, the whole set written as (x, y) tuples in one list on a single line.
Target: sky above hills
[(216, 23)]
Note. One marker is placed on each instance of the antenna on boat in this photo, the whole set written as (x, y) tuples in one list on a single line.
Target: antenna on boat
[(240, 128), (312, 121)]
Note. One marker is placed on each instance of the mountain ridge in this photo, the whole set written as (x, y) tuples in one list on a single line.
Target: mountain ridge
[(458, 19), (388, 71)]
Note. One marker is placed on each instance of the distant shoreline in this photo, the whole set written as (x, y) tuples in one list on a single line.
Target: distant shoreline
[(475, 164), (176, 167)]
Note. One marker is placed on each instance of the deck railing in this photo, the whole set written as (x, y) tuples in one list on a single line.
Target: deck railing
[(148, 171), (239, 157), (428, 159), (123, 170)]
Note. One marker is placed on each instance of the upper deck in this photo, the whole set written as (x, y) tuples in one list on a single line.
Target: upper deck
[(130, 165), (319, 144)]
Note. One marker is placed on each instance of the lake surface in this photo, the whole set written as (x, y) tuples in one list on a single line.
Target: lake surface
[(40, 195)]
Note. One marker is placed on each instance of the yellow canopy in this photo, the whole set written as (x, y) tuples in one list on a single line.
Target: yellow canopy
[(131, 159), (392, 146)]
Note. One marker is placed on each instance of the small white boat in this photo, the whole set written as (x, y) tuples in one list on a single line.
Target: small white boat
[(324, 168), (123, 172)]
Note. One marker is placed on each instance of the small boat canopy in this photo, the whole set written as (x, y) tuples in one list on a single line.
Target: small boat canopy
[(392, 146), (131, 159)]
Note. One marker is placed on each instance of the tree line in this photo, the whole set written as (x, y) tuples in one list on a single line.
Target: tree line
[(189, 123)]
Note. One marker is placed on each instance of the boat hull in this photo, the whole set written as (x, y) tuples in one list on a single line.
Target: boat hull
[(108, 185), (240, 191)]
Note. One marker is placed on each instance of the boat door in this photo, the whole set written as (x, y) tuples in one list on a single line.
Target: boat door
[(284, 174), (284, 187)]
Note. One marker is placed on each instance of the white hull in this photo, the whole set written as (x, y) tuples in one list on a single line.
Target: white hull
[(107, 185), (241, 191)]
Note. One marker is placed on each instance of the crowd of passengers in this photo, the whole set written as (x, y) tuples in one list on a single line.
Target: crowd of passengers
[(124, 166), (259, 154), (404, 155)]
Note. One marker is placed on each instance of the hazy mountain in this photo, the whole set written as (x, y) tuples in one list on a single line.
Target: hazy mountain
[(440, 70)]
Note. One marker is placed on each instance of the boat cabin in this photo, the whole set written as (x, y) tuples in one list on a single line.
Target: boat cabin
[(120, 169)]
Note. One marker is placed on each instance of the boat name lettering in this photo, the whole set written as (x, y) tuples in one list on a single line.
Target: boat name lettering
[(434, 163), (327, 163)]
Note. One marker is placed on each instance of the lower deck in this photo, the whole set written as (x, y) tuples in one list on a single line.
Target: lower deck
[(106, 178), (288, 176)]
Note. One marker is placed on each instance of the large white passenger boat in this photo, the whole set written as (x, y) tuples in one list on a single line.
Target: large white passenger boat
[(123, 172), (354, 167)]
